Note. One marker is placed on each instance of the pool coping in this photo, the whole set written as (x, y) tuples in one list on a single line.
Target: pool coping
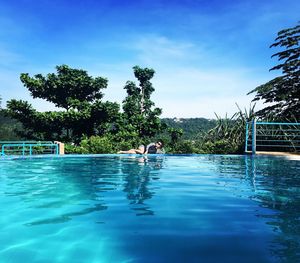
[(289, 156)]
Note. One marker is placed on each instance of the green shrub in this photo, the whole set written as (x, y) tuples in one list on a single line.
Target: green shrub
[(219, 147), (92, 145), (69, 148), (97, 144), (184, 147)]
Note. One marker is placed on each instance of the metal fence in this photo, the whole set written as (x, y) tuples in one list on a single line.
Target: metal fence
[(28, 147), (272, 136)]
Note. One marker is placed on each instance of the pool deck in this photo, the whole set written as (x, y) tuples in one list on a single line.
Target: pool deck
[(291, 156)]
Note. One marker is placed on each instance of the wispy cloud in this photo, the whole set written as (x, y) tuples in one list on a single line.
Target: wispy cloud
[(154, 49), (185, 86), (194, 92), (8, 58), (206, 107), (207, 55)]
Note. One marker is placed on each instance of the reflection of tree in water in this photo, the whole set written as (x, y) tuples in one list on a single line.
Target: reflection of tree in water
[(278, 188), (275, 184), (71, 187), (138, 173)]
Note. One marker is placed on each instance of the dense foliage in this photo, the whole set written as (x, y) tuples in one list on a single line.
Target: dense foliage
[(89, 125), (139, 123), (138, 113), (193, 128), (8, 126), (283, 92), (83, 114), (228, 136), (66, 89), (77, 93)]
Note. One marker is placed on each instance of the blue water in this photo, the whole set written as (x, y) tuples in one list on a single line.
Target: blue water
[(198, 208)]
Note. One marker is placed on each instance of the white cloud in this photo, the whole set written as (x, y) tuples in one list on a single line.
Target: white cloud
[(153, 49), (192, 92), (7, 57), (184, 86), (9, 82), (205, 106)]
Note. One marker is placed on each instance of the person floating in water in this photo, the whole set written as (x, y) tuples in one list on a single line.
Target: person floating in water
[(151, 148)]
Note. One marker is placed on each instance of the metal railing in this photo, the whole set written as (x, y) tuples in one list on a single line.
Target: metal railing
[(28, 147), (272, 136)]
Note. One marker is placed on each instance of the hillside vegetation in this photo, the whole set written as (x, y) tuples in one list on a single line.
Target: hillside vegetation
[(192, 127)]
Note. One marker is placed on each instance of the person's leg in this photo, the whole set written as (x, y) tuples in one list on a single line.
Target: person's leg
[(129, 151), (140, 150)]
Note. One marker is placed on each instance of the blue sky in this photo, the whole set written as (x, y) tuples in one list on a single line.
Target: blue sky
[(207, 54)]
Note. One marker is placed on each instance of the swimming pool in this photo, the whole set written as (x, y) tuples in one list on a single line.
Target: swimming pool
[(112, 208)]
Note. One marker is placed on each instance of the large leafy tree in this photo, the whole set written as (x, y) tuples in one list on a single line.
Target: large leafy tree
[(65, 87), (283, 92), (77, 93), (139, 114)]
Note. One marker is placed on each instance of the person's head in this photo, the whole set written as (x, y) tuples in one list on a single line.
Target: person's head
[(159, 144)]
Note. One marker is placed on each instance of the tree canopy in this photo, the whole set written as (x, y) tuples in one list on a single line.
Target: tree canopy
[(283, 92), (66, 87), (139, 116), (84, 113), (75, 91)]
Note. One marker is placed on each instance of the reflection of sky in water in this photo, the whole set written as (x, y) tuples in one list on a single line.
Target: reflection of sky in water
[(150, 209)]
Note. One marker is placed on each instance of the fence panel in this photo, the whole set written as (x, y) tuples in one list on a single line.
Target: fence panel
[(28, 148), (272, 136)]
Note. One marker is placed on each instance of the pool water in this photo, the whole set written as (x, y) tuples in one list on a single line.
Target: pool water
[(112, 208)]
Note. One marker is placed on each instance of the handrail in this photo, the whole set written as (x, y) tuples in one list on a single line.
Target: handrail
[(277, 123), (2, 142), (272, 135), (30, 145)]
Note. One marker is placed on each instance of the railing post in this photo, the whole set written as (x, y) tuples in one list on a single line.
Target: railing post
[(23, 149), (254, 136), (246, 139), (60, 149)]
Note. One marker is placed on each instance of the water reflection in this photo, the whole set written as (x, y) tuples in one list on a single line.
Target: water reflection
[(278, 188), (275, 184), (101, 189), (79, 186), (138, 174)]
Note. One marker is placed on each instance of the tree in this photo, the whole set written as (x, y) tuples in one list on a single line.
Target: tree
[(139, 116), (7, 126), (283, 92), (75, 91), (65, 87)]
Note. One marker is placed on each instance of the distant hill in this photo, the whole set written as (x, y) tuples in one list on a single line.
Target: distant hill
[(191, 126)]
